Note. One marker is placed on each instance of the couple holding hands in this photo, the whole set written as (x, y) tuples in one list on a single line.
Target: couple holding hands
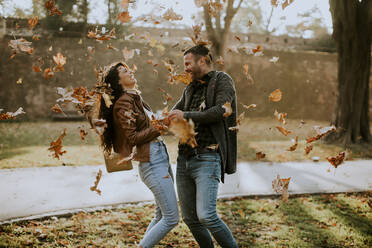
[(199, 169)]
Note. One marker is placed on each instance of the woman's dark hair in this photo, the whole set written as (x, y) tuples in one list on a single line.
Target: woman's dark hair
[(112, 81)]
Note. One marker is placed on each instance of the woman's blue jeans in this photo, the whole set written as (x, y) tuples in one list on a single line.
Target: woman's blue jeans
[(158, 177)]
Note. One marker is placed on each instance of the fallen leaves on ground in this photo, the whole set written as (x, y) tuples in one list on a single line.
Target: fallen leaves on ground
[(56, 146)]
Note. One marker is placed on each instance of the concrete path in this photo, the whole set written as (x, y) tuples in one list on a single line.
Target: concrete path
[(35, 192)]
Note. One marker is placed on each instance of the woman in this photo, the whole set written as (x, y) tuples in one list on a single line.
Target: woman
[(128, 126)]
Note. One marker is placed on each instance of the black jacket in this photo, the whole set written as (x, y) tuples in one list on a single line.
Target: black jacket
[(220, 90)]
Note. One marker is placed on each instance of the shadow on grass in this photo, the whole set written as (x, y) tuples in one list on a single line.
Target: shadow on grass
[(308, 233), (9, 153), (350, 217)]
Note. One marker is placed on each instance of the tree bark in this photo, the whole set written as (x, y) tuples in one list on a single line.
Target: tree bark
[(352, 33)]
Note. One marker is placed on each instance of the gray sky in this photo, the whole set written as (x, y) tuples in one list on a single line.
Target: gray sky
[(187, 9)]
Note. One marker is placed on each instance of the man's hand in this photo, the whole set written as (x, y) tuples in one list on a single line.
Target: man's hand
[(175, 115)]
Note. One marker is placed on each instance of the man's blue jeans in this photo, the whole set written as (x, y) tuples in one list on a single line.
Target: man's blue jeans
[(197, 185)]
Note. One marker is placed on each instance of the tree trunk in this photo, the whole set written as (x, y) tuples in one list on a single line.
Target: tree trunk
[(351, 24)]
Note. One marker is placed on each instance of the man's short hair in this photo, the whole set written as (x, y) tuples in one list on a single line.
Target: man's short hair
[(200, 51)]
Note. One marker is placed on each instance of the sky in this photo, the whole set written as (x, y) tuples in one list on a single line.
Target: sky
[(187, 9)]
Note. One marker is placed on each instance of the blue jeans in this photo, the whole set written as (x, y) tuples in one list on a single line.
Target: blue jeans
[(197, 185), (158, 177)]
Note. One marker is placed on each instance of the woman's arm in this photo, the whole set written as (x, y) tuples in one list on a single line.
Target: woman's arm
[(124, 111)]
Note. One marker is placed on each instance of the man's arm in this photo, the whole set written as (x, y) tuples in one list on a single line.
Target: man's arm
[(225, 92), (181, 102)]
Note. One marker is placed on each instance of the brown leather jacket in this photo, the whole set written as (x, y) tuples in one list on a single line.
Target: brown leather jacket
[(132, 127)]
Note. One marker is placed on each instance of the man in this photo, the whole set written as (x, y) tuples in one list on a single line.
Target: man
[(199, 169)]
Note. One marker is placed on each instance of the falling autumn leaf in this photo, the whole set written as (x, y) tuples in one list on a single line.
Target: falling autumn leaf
[(166, 96), (274, 59), (308, 149), (184, 130), (284, 131), (280, 186), (98, 178), (321, 132), (257, 49), (220, 61), (170, 15), (35, 37), (184, 78), (280, 116), (247, 74), (32, 22), (57, 109), (129, 158), (19, 81), (53, 10), (337, 160), (83, 134), (228, 109), (124, 17), (275, 96), (128, 54), (11, 115), (249, 106), (48, 73), (20, 45), (238, 122), (260, 155), (56, 146), (60, 60), (294, 146), (36, 68)]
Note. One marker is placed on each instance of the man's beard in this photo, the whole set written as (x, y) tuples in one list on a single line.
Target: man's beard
[(196, 74)]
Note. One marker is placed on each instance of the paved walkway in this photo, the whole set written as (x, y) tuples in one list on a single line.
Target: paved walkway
[(35, 192)]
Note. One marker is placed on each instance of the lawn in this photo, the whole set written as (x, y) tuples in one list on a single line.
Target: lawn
[(323, 220), (26, 144)]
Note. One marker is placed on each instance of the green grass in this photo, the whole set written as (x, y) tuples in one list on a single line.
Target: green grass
[(25, 144), (324, 220)]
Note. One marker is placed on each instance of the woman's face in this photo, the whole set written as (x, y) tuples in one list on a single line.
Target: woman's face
[(126, 77)]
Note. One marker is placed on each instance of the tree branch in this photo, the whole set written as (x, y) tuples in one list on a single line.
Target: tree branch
[(208, 25)]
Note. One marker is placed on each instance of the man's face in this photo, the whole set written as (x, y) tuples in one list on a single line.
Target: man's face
[(192, 66)]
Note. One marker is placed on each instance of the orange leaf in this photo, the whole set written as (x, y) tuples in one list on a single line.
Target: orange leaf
[(124, 17), (60, 60), (83, 133), (337, 160), (48, 73), (56, 108), (184, 131), (36, 68), (308, 149), (98, 178), (53, 10), (275, 96), (294, 146), (260, 155), (228, 109), (56, 146), (33, 21), (183, 78), (284, 131)]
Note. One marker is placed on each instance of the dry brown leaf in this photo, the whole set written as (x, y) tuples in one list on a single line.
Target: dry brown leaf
[(60, 60), (337, 160), (213, 147), (36, 68), (220, 61), (170, 15), (124, 17), (32, 22), (128, 54), (308, 149), (11, 115), (20, 45), (166, 96), (56, 146), (48, 73), (83, 133), (184, 78), (260, 155), (53, 10), (238, 122), (275, 96), (249, 106), (280, 117), (258, 49), (247, 74), (294, 146), (321, 132), (98, 178), (228, 109), (57, 109), (184, 131), (284, 131), (280, 186)]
